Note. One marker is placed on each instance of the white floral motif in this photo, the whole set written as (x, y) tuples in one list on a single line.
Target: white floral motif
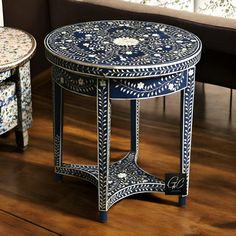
[(190, 73), (125, 41), (140, 85), (128, 52), (81, 81), (171, 87), (122, 175), (102, 83)]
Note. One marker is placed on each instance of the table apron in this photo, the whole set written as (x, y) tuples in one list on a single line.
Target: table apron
[(122, 88)]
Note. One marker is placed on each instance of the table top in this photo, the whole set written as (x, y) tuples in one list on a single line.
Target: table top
[(16, 46), (122, 48)]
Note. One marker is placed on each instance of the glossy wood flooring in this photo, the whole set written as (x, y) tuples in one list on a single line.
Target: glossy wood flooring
[(31, 203)]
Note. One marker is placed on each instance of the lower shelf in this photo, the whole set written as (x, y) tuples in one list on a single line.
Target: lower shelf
[(125, 178)]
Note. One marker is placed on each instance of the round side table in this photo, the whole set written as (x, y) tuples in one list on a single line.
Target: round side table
[(129, 60), (16, 49)]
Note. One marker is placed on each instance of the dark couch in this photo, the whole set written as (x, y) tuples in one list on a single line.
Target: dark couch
[(217, 34)]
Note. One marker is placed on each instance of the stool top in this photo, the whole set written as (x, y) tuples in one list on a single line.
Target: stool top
[(123, 49), (16, 46)]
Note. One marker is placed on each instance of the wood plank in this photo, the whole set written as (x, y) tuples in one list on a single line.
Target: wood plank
[(15, 226)]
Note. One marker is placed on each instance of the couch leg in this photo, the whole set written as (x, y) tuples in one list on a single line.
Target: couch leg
[(22, 140)]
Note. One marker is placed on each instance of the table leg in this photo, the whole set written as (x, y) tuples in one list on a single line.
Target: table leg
[(134, 113), (58, 105), (187, 101), (22, 140), (24, 104), (103, 132)]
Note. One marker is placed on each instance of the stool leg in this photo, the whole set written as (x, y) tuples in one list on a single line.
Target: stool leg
[(24, 104), (134, 115), (187, 100), (103, 132), (22, 139), (58, 109)]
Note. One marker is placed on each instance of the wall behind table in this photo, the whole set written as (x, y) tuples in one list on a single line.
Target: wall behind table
[(33, 17)]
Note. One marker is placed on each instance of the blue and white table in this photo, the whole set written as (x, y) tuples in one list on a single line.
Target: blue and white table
[(130, 60)]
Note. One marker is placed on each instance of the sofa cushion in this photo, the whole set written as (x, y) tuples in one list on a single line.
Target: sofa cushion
[(216, 33), (217, 68)]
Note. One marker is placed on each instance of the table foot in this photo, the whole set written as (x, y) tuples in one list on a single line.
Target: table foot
[(58, 178), (103, 216), (182, 201), (22, 140)]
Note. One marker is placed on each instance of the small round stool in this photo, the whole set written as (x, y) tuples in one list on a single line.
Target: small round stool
[(16, 49)]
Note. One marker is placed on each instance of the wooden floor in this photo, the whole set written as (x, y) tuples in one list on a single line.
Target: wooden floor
[(31, 203)]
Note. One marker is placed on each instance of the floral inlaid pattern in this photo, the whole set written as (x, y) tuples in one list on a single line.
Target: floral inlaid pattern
[(127, 178), (98, 47), (15, 47), (8, 106), (143, 88), (67, 80), (24, 97)]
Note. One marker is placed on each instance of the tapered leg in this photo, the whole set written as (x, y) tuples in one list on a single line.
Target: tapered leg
[(22, 140), (182, 199), (58, 105), (103, 132), (134, 113), (24, 104), (187, 101)]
